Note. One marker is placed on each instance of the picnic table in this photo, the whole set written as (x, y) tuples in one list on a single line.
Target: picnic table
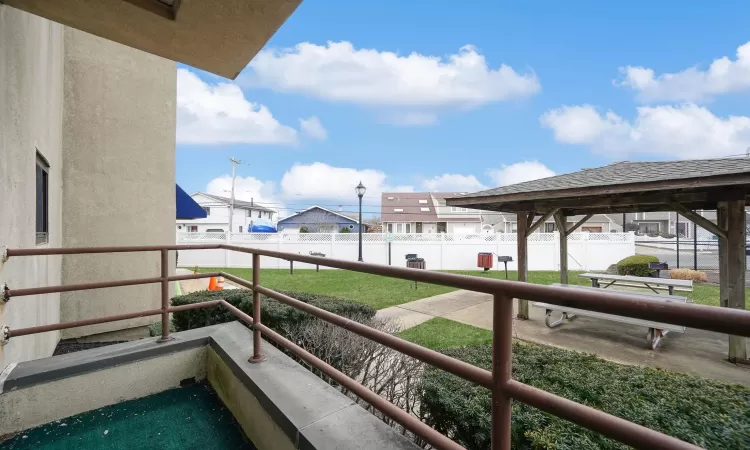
[(656, 330), (604, 280)]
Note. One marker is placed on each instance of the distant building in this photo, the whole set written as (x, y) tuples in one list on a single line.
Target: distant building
[(317, 219), (217, 215), (425, 212)]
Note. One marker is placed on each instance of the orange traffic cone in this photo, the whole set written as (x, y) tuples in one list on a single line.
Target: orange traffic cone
[(219, 284), (212, 284)]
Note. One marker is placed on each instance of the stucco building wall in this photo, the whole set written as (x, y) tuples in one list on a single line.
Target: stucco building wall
[(31, 78), (118, 174)]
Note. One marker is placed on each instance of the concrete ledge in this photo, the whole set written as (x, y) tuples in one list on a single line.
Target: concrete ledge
[(311, 413), (30, 373), (278, 403)]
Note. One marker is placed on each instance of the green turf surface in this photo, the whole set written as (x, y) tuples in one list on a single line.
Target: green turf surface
[(441, 333), (382, 292), (177, 419)]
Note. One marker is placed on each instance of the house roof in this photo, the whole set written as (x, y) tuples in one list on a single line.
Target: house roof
[(323, 209), (237, 203), (409, 202), (623, 187), (412, 208)]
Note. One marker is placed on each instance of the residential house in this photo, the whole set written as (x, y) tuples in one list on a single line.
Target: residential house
[(425, 212), (506, 223), (317, 219), (666, 223), (217, 215), (409, 212)]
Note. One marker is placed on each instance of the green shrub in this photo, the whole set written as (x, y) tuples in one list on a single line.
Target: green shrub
[(636, 265), (345, 230), (707, 413), (155, 328), (304, 230), (276, 315)]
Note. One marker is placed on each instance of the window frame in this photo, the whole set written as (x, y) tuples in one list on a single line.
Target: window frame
[(41, 230)]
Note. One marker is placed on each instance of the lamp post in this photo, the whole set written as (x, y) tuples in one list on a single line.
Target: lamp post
[(360, 189)]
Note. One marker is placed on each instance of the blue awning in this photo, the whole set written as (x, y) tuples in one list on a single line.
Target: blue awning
[(187, 208)]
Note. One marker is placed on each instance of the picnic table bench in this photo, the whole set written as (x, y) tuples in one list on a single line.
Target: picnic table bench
[(604, 280), (656, 330)]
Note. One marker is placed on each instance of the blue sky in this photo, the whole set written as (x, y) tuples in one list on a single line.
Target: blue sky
[(566, 101)]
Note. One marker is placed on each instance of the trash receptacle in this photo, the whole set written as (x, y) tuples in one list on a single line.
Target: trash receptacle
[(413, 262), (485, 261)]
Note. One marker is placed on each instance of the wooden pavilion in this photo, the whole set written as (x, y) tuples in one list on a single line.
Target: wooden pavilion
[(625, 187)]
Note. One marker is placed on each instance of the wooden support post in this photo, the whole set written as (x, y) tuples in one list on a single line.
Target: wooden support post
[(563, 232), (522, 228), (736, 267), (721, 220)]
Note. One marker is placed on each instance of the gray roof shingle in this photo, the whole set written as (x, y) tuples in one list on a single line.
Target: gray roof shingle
[(626, 173)]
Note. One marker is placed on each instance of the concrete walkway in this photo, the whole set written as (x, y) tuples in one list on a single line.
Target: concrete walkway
[(198, 284), (696, 352)]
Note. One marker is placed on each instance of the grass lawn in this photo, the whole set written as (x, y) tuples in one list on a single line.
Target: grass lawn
[(382, 292), (439, 333)]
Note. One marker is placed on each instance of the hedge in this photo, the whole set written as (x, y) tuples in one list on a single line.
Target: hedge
[(276, 315), (707, 413), (636, 265)]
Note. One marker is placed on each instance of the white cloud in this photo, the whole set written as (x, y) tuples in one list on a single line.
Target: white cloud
[(684, 132), (313, 128), (453, 182), (519, 172), (220, 114), (411, 119), (262, 193), (691, 85), (339, 72), (318, 181)]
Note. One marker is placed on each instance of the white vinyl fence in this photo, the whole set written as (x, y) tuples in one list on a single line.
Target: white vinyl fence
[(586, 251)]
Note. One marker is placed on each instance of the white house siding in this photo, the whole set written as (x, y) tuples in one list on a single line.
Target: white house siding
[(31, 96), (218, 217), (463, 227)]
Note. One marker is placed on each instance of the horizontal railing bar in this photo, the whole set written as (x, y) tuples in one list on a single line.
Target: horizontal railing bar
[(611, 426), (721, 320), (199, 305), (439, 360), (409, 422), (81, 323), (102, 284), (89, 250)]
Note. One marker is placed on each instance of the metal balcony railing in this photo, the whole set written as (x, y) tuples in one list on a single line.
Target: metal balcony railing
[(504, 388)]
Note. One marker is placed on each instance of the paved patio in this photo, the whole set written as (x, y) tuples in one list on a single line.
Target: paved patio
[(697, 352)]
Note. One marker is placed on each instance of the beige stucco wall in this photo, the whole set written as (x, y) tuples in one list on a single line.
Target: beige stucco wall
[(118, 174), (31, 72)]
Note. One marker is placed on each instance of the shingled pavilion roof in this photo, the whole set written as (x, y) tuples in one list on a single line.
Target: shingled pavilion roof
[(623, 187)]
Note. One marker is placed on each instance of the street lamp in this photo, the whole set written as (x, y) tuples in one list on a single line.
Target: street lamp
[(360, 190)]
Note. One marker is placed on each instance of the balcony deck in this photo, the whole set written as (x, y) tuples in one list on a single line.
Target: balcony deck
[(180, 418)]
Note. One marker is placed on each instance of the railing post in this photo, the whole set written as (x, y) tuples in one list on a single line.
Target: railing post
[(257, 356), (502, 355), (164, 296)]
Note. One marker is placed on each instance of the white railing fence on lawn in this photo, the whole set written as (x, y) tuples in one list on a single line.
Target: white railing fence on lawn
[(586, 251)]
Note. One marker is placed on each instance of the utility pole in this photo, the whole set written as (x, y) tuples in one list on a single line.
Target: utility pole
[(231, 199)]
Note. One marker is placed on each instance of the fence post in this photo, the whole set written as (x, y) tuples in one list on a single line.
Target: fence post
[(257, 356), (695, 246), (502, 356), (164, 297)]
